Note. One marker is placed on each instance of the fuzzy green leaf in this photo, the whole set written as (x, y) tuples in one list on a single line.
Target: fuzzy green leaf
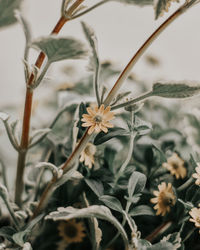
[(111, 202), (96, 186), (141, 210), (112, 133), (176, 90), (161, 246), (7, 7), (58, 49), (100, 212), (136, 183), (137, 2)]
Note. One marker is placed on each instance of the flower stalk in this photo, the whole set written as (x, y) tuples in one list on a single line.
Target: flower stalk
[(28, 107)]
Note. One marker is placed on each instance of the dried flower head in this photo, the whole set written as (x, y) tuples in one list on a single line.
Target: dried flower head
[(165, 198), (98, 119), (197, 175), (195, 214), (87, 155), (176, 166), (71, 231)]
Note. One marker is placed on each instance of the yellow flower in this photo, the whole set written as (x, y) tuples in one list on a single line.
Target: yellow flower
[(165, 198), (195, 214), (197, 175), (87, 155), (176, 166), (71, 231), (98, 119)]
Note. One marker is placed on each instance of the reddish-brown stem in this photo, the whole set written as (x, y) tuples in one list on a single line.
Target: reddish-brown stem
[(163, 227), (26, 120)]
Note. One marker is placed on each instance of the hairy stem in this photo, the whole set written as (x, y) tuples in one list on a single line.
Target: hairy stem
[(26, 121)]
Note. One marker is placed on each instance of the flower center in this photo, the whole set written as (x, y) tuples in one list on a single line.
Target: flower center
[(98, 119), (168, 200), (71, 231), (175, 166), (198, 220)]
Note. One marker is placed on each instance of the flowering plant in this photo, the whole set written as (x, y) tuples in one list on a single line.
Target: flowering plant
[(119, 179)]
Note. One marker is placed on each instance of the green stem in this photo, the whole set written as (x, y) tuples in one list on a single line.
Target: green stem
[(186, 184)]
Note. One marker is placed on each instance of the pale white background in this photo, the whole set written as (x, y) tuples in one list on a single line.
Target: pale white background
[(120, 29)]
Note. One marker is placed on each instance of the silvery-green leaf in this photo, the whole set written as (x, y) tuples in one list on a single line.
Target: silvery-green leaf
[(20, 238), (7, 232), (3, 192), (112, 133), (143, 244), (141, 210), (38, 135), (7, 8), (187, 205), (137, 2), (100, 212), (91, 37), (27, 246), (173, 238), (96, 186), (70, 175), (162, 6), (136, 183), (25, 25), (57, 48), (111, 202), (46, 165), (142, 127), (176, 90), (4, 117), (161, 246)]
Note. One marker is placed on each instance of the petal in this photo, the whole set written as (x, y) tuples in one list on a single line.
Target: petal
[(91, 112), (91, 129)]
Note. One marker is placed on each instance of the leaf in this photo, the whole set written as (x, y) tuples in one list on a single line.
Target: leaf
[(96, 186), (176, 90), (7, 8), (100, 212), (58, 49), (27, 246), (4, 117), (7, 232), (141, 210), (38, 135), (112, 133), (187, 205), (162, 6), (20, 237), (161, 246), (111, 202), (91, 37), (173, 238), (136, 183), (137, 2), (142, 127)]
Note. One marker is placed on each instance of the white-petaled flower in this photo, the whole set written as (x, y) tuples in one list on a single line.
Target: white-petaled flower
[(87, 155), (165, 198), (98, 119), (197, 175), (176, 166)]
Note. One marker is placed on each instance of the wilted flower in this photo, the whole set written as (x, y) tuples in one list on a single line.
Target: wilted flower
[(197, 175), (195, 214), (98, 119), (165, 198), (71, 231), (176, 166), (87, 155)]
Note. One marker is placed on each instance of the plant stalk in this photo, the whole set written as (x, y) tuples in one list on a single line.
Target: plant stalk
[(26, 121), (81, 145)]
